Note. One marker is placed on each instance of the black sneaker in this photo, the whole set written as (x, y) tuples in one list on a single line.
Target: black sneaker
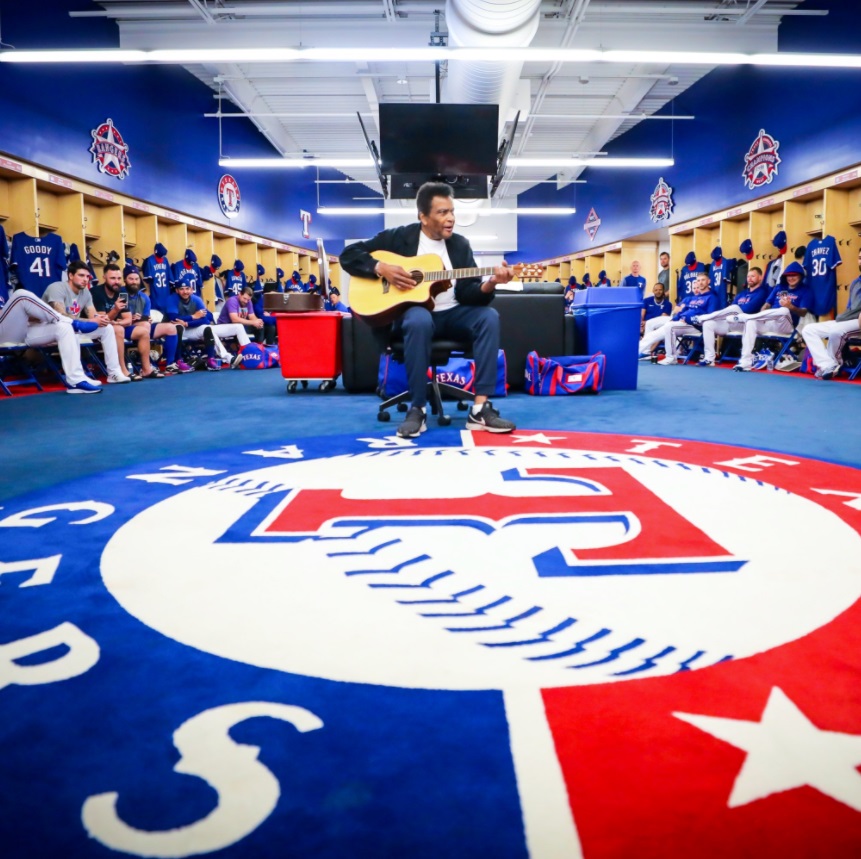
[(414, 424), (488, 419)]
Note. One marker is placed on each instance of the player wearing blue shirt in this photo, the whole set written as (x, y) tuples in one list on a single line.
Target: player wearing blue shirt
[(820, 262), (156, 274), (702, 302), (632, 279), (655, 329), (787, 303), (333, 301), (655, 306), (728, 320), (37, 262)]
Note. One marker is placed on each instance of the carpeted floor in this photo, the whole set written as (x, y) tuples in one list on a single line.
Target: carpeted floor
[(238, 622)]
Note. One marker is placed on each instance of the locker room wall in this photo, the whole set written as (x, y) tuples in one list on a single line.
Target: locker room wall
[(48, 112), (815, 116)]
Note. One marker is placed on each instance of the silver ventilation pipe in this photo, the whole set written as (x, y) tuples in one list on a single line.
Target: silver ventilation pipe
[(476, 23)]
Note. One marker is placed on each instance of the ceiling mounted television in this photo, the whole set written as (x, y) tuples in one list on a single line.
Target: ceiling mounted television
[(439, 139)]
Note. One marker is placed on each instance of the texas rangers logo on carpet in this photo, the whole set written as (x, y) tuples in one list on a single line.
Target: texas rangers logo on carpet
[(542, 644), (760, 161), (110, 152)]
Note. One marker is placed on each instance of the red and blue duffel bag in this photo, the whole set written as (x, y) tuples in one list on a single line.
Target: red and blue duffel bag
[(567, 374)]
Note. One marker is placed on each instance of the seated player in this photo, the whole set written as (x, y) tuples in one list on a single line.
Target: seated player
[(27, 319), (142, 330), (728, 319), (238, 310), (669, 328), (828, 358), (187, 309), (110, 300), (788, 302), (73, 299), (333, 302), (703, 301), (655, 306)]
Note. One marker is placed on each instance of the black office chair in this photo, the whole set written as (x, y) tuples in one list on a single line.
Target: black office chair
[(441, 352)]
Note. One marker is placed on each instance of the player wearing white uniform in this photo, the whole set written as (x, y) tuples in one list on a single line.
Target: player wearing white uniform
[(728, 320), (702, 301), (786, 304), (73, 299), (828, 358), (656, 329), (27, 319)]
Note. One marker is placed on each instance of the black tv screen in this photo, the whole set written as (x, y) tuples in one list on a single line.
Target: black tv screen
[(439, 139)]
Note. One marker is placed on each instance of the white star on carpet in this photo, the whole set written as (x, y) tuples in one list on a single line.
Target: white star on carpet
[(537, 438), (786, 750)]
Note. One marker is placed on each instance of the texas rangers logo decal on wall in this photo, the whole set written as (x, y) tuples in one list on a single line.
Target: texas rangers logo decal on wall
[(661, 201), (229, 197), (592, 224), (491, 644), (760, 161), (110, 152), (305, 217)]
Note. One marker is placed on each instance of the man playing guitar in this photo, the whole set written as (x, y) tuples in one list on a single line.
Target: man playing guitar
[(460, 312)]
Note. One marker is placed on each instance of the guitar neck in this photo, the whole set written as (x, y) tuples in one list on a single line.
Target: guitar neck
[(453, 274)]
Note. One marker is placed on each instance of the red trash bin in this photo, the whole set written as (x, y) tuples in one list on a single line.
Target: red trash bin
[(309, 346)]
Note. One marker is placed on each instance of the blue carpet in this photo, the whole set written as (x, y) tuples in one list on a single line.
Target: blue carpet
[(195, 598)]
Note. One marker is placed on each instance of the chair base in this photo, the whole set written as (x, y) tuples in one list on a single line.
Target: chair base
[(436, 391)]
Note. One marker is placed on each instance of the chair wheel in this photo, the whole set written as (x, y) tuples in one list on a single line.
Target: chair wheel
[(327, 385), (291, 387), (462, 405), (444, 420), (383, 416), (402, 407), (304, 384)]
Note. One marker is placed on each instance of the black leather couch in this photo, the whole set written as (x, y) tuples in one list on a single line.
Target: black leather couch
[(530, 320)]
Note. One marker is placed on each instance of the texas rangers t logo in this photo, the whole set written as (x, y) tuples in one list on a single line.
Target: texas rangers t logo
[(228, 196), (305, 217)]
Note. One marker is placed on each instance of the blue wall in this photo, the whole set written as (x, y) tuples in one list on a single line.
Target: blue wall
[(49, 111), (814, 114)]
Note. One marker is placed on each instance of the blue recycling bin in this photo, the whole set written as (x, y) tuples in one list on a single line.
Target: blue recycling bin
[(607, 319)]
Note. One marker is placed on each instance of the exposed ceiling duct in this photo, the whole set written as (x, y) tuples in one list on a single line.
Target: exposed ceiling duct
[(479, 23)]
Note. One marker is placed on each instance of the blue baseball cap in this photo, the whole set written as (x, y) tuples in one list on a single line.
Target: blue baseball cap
[(717, 253), (190, 256), (238, 265), (260, 270), (215, 262), (279, 273), (779, 241), (746, 248), (160, 250), (691, 258)]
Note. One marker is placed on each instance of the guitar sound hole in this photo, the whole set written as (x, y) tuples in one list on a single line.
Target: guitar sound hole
[(417, 276)]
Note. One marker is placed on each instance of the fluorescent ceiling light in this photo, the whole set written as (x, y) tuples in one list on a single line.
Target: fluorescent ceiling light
[(368, 210), (591, 162), (294, 163), (187, 56)]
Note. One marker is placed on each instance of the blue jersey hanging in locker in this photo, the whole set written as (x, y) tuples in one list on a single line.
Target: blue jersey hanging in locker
[(820, 263), (38, 262)]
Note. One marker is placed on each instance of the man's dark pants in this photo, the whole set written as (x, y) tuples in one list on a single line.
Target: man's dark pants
[(418, 326)]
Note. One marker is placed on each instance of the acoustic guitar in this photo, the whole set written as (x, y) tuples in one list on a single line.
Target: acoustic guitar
[(379, 302)]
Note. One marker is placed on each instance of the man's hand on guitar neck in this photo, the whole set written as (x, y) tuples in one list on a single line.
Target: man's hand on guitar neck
[(502, 273), (395, 275)]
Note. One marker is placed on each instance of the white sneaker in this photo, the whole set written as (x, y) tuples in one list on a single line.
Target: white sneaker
[(666, 362), (117, 379)]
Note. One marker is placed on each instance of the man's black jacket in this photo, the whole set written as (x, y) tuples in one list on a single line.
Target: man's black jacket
[(404, 241)]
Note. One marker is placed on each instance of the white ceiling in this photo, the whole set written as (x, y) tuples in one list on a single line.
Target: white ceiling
[(310, 108)]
